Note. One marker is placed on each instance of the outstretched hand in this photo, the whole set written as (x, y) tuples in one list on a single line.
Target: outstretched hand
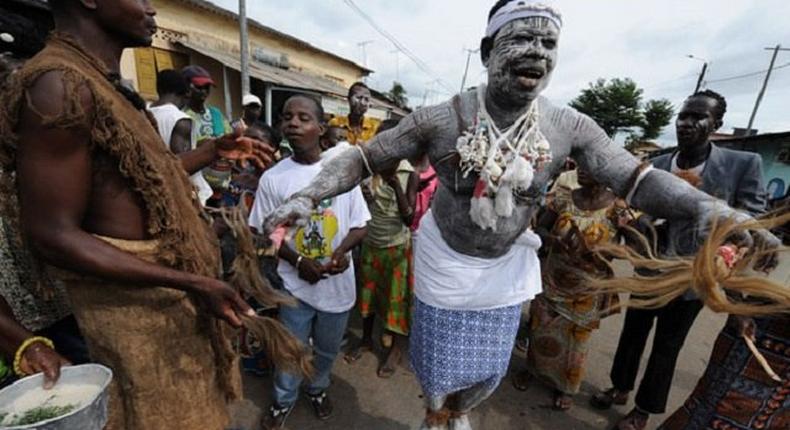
[(758, 240), (294, 212), (767, 245), (245, 150)]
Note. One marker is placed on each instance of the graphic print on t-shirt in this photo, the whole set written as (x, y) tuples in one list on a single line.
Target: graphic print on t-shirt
[(315, 240)]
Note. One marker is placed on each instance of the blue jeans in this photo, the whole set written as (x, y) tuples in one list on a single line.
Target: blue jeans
[(327, 331)]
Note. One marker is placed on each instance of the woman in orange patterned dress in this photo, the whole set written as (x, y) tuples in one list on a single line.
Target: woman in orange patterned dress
[(563, 317)]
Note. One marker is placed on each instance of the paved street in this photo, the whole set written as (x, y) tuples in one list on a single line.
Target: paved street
[(363, 401)]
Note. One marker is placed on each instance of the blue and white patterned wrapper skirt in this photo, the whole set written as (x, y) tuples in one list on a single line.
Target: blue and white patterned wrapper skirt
[(452, 350)]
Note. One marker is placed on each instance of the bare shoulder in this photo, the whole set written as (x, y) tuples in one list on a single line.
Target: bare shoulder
[(57, 99)]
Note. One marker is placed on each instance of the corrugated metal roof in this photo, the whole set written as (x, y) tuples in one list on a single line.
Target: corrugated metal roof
[(207, 5), (266, 73)]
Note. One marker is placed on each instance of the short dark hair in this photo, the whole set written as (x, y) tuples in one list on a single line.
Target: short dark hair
[(171, 82), (319, 109), (273, 135), (356, 85), (721, 102)]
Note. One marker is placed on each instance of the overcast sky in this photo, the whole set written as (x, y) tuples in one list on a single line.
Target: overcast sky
[(647, 40)]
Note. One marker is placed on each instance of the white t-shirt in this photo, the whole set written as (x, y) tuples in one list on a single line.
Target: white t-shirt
[(325, 231), (167, 116)]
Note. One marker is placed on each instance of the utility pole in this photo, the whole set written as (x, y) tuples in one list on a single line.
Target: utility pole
[(469, 53), (363, 45), (244, 43), (776, 50), (702, 73)]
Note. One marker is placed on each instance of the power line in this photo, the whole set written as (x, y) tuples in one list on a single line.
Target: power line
[(398, 45), (746, 75), (671, 81)]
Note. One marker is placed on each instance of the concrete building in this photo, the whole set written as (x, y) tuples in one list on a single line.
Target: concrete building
[(200, 32)]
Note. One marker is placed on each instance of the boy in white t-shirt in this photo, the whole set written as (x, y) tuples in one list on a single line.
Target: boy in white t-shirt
[(315, 262), (175, 126)]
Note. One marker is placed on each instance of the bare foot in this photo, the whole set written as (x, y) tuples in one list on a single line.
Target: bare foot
[(356, 351), (387, 368)]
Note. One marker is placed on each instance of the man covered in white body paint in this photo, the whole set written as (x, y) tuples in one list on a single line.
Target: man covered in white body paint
[(494, 150)]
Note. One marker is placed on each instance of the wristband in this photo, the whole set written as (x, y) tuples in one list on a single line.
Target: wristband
[(21, 351), (299, 261)]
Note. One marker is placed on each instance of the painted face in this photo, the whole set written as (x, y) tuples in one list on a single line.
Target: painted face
[(300, 125), (522, 59), (359, 102), (132, 21), (696, 121)]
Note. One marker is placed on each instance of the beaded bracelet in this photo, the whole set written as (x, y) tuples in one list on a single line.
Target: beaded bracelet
[(22, 348)]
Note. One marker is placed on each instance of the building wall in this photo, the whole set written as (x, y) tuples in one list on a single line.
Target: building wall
[(775, 172), (222, 33), (776, 163), (180, 16)]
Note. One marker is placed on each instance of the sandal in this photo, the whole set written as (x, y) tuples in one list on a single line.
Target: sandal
[(521, 380), (321, 405), (356, 352), (562, 401)]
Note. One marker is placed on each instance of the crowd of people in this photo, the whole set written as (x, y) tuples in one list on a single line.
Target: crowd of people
[(442, 229)]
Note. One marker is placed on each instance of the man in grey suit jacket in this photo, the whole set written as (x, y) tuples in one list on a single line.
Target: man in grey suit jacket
[(732, 176)]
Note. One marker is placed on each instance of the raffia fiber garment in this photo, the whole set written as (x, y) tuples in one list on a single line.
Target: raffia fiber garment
[(174, 364)]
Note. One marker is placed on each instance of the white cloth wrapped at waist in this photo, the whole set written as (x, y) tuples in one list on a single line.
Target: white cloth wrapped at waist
[(447, 279)]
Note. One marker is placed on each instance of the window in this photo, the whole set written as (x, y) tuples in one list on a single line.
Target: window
[(149, 61)]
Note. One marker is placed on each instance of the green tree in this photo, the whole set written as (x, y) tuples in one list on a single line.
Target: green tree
[(657, 115), (616, 105), (398, 95)]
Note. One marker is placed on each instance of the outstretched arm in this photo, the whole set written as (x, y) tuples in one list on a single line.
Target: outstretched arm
[(348, 169), (658, 193)]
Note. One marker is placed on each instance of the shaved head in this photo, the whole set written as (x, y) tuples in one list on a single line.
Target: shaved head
[(129, 23)]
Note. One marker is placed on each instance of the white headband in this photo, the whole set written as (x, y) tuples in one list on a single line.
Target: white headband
[(520, 9)]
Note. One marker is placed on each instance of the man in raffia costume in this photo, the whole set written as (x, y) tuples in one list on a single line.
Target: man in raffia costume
[(494, 149), (97, 195)]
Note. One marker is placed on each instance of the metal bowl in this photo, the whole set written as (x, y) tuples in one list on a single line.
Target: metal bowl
[(92, 413)]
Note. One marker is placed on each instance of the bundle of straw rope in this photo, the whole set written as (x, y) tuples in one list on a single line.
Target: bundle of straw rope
[(724, 286), (719, 274), (285, 350)]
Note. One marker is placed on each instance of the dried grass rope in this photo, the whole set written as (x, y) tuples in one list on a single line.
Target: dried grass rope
[(285, 350), (722, 288), (736, 290)]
